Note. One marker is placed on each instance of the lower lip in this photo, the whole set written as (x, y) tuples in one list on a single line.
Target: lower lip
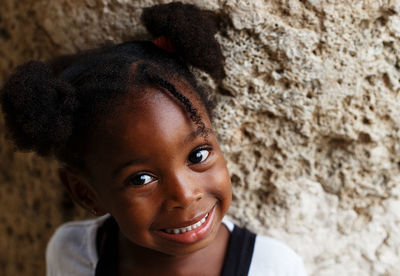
[(193, 235)]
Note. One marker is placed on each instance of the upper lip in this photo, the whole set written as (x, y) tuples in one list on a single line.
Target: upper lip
[(188, 222)]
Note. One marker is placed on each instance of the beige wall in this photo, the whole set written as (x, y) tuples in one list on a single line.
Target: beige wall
[(309, 120)]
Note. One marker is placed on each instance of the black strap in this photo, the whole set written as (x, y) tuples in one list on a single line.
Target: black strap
[(240, 252), (107, 249)]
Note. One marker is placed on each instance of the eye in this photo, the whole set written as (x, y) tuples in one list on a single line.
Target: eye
[(140, 179), (199, 155)]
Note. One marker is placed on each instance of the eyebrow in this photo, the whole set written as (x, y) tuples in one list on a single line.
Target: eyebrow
[(198, 132), (127, 164), (189, 138)]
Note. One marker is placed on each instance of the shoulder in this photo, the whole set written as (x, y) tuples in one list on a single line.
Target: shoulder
[(72, 248), (273, 257)]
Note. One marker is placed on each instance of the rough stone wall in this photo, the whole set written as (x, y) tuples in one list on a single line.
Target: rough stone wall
[(309, 119)]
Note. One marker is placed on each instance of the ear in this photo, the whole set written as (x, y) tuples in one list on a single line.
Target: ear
[(81, 191)]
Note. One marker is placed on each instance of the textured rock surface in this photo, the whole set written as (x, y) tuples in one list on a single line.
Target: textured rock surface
[(309, 119)]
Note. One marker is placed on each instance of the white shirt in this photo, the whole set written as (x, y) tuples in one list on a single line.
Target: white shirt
[(72, 251)]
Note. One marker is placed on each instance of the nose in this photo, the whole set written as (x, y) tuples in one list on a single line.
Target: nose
[(182, 190)]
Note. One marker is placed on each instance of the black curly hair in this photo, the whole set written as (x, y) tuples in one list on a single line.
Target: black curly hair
[(52, 107)]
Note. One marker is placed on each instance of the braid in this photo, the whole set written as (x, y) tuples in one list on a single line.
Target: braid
[(194, 114)]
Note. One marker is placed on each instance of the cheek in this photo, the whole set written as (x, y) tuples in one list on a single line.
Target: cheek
[(134, 214), (220, 183)]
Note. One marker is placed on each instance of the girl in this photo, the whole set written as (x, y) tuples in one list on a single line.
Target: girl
[(133, 132)]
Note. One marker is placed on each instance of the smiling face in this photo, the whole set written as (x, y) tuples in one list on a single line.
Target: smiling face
[(165, 183)]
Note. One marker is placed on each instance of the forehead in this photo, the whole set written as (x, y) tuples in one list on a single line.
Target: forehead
[(152, 107), (155, 113), (143, 125)]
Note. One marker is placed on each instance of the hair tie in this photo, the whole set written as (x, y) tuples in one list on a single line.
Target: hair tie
[(164, 43)]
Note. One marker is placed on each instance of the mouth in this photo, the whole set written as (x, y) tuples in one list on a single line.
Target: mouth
[(182, 230), (191, 233)]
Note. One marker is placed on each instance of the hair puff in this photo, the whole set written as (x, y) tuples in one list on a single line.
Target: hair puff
[(191, 32), (38, 108)]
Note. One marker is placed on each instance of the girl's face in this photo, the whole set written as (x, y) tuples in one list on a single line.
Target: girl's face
[(166, 184)]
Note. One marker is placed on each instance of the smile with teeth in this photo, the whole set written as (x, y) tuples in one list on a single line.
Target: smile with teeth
[(187, 228)]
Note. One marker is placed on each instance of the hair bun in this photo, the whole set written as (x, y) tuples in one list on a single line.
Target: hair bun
[(38, 108), (191, 32)]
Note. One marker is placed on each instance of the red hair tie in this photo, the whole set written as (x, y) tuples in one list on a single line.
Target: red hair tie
[(164, 43)]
